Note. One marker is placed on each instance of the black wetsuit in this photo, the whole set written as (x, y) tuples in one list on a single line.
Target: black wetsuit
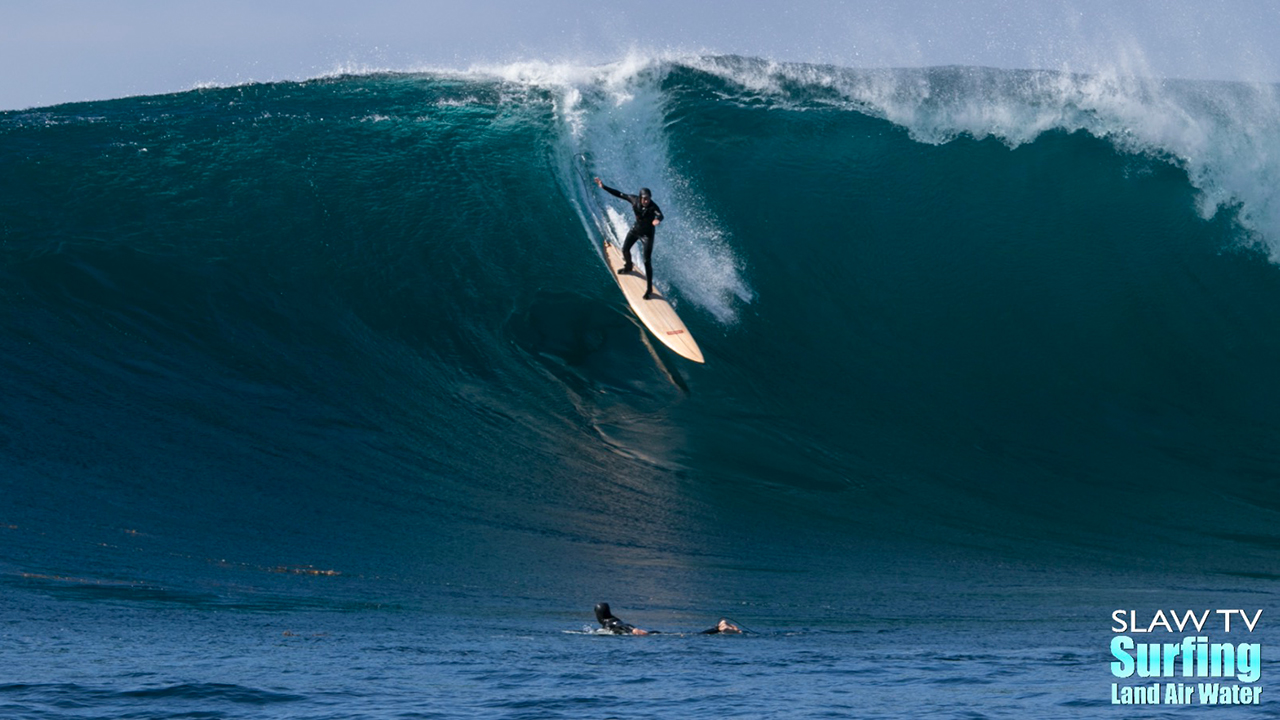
[(616, 626), (607, 621), (643, 228)]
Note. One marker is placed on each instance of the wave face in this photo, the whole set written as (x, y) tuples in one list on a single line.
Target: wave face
[(359, 322)]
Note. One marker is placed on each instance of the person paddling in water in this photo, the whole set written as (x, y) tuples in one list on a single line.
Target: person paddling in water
[(723, 627), (648, 216), (605, 617)]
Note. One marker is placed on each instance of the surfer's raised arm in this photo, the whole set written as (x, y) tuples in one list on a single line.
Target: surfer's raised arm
[(615, 193)]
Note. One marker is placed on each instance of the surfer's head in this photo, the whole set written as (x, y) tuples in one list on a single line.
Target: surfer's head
[(602, 612), (645, 194)]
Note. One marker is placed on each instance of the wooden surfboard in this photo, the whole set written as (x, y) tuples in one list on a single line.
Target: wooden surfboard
[(656, 313)]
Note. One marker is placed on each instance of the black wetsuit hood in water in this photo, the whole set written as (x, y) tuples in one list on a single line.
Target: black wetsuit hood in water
[(607, 621)]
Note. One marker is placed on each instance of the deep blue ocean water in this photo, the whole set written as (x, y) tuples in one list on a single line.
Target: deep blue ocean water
[(316, 399)]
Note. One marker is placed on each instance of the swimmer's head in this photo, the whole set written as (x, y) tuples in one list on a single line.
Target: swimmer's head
[(725, 626), (602, 612)]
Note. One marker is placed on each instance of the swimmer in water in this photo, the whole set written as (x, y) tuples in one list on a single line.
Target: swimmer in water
[(724, 627), (607, 621)]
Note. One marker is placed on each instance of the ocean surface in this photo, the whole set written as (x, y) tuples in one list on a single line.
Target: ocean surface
[(317, 399)]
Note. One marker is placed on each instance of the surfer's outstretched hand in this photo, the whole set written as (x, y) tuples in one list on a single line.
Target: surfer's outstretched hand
[(599, 183)]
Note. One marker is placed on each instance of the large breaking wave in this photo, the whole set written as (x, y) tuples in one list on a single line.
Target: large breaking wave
[(1032, 313)]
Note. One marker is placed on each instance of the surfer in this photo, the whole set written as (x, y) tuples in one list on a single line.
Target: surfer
[(607, 621), (647, 218)]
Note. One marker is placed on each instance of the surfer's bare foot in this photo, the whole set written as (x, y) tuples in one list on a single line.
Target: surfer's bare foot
[(648, 294), (625, 270)]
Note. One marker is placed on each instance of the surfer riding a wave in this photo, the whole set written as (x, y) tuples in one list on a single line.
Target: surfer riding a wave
[(648, 216)]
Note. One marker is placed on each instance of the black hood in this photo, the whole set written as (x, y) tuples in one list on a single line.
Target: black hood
[(602, 612)]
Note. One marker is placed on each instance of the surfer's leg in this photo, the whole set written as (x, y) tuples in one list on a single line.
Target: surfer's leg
[(626, 251), (648, 263)]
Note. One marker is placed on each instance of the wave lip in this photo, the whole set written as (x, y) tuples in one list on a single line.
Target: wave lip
[(1225, 135)]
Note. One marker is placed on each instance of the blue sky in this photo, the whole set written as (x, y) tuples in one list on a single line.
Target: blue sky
[(56, 51)]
